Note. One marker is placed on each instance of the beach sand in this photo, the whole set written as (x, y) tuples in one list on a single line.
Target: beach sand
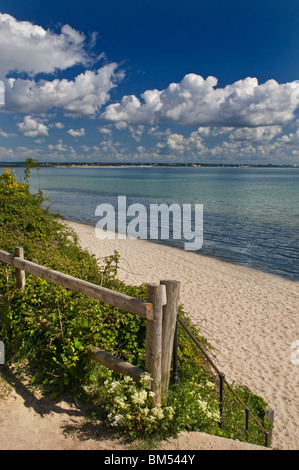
[(251, 318)]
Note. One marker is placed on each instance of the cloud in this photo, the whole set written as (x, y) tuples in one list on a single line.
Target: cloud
[(250, 143), (31, 127), (105, 130), (60, 146), (77, 132), (181, 144), (132, 111), (196, 101), (136, 132), (255, 134), (29, 48), (121, 125), (177, 142), (57, 125), (6, 134), (291, 139), (84, 95)]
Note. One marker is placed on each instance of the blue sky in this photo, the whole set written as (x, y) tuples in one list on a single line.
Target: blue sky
[(151, 81)]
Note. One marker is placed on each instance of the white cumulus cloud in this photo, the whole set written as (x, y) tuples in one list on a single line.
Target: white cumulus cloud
[(30, 49), (32, 127), (77, 132), (255, 134), (84, 95), (196, 101), (181, 144), (26, 47)]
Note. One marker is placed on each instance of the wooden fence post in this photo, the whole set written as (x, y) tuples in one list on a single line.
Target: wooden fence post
[(156, 295), (269, 415), (20, 274), (170, 311)]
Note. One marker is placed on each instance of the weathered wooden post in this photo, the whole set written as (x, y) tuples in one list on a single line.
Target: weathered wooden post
[(156, 295), (269, 416), (170, 311), (20, 274)]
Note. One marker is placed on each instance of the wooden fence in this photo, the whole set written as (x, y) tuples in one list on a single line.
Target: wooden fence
[(159, 312)]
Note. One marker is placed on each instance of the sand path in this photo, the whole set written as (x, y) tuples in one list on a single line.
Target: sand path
[(32, 422)]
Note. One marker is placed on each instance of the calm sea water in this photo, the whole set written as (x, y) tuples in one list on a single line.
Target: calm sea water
[(251, 216)]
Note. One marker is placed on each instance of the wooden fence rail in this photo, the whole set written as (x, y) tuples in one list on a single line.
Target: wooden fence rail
[(159, 311), (117, 299)]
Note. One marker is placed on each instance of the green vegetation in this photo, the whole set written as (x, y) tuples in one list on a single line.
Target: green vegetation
[(56, 361)]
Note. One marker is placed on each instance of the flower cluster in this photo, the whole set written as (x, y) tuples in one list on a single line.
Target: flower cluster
[(197, 406), (129, 406), (8, 182)]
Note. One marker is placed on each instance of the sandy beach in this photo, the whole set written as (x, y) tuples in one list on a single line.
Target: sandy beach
[(249, 317)]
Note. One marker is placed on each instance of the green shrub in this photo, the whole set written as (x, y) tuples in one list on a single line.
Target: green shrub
[(56, 360)]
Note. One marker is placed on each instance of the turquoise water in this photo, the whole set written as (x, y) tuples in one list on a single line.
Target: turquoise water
[(251, 216)]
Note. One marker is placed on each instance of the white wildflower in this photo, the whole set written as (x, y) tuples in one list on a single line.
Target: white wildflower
[(158, 412), (203, 405), (128, 379), (145, 379), (210, 384), (170, 412), (145, 411), (113, 387), (117, 420), (151, 418), (139, 397), (121, 402)]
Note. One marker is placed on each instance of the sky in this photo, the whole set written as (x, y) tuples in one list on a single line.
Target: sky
[(191, 81)]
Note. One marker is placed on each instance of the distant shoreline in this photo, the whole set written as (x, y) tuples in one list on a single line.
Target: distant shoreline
[(147, 165)]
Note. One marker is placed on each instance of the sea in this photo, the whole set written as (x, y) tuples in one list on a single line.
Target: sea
[(250, 215)]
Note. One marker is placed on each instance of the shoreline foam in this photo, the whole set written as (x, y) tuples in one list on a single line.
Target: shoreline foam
[(250, 317)]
